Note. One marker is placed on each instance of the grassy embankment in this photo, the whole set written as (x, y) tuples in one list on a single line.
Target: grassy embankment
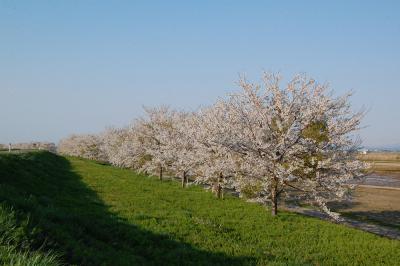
[(93, 214)]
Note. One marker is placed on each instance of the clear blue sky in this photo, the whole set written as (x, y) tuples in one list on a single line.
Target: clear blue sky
[(78, 66)]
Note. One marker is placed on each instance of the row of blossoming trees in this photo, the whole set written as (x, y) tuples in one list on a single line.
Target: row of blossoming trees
[(266, 142)]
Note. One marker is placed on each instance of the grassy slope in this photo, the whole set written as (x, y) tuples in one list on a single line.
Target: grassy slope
[(94, 214), (14, 242)]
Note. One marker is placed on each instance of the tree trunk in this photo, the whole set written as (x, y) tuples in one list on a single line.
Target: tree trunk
[(274, 201), (161, 173), (219, 187), (184, 178)]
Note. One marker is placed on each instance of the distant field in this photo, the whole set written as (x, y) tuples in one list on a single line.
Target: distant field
[(383, 162), (92, 214), (375, 205), (381, 156), (380, 206)]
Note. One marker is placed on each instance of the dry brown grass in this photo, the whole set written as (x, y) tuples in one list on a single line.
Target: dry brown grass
[(372, 199), (392, 169), (376, 205), (380, 206), (386, 163), (381, 156)]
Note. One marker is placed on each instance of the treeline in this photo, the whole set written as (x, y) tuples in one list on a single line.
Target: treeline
[(266, 142), (35, 145)]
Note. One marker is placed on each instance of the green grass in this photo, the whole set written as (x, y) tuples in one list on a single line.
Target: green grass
[(93, 214), (14, 242)]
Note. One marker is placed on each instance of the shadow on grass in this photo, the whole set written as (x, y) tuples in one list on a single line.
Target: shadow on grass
[(385, 218), (69, 218), (343, 205)]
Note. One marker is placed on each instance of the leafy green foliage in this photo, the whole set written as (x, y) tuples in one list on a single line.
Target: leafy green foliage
[(250, 191), (93, 214), (143, 159), (317, 131)]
